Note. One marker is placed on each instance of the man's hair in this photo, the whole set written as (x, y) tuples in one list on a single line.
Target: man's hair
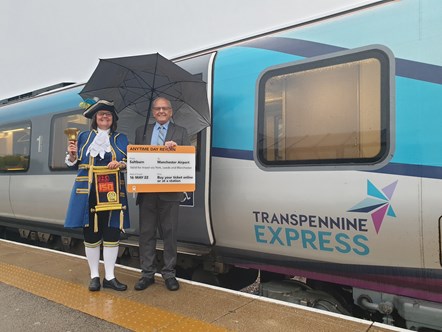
[(164, 98)]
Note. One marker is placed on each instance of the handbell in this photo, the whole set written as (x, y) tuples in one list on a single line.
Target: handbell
[(71, 133)]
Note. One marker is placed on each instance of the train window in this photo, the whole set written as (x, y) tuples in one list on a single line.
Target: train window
[(330, 111), (15, 147), (59, 140)]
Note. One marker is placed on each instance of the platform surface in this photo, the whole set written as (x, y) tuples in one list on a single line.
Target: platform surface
[(47, 290)]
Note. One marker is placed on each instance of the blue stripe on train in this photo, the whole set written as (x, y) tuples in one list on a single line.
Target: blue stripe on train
[(430, 172), (303, 48)]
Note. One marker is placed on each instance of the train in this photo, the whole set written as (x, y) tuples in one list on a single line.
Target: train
[(321, 171)]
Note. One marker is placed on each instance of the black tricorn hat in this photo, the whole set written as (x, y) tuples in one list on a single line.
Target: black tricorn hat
[(101, 105)]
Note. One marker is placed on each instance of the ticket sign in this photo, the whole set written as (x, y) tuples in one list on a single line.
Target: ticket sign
[(152, 168)]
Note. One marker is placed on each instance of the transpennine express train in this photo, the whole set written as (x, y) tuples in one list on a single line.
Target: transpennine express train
[(323, 161)]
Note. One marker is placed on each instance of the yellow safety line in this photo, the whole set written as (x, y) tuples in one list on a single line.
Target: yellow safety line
[(118, 310)]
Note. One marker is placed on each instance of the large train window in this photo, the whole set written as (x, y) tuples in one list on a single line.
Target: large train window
[(15, 147), (59, 141), (330, 111)]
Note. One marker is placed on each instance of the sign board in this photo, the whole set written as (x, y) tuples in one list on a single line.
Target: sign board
[(152, 168), (107, 188)]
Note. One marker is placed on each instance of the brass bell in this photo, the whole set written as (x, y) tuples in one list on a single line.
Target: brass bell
[(71, 133)]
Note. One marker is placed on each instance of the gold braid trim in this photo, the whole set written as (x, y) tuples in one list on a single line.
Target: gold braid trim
[(80, 155), (95, 222), (115, 142), (92, 245), (81, 179), (91, 170), (111, 244), (121, 219)]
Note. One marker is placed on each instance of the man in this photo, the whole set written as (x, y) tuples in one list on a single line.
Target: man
[(159, 210)]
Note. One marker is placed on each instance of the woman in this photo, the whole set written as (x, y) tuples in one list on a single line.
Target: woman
[(101, 146)]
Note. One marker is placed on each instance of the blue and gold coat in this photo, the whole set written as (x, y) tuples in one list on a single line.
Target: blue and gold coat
[(78, 210)]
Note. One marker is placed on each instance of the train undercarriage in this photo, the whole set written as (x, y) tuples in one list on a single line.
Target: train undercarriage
[(198, 264)]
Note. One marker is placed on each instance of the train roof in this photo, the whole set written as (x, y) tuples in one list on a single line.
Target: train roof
[(59, 98)]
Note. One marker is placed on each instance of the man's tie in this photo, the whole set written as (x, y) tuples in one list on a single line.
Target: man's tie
[(160, 135)]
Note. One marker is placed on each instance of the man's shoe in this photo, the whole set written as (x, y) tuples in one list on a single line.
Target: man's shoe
[(144, 282), (172, 284), (114, 284), (94, 284)]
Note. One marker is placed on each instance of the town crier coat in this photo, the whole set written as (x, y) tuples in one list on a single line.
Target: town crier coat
[(78, 210)]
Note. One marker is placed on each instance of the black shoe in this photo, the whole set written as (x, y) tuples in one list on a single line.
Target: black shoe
[(144, 282), (94, 285), (172, 284), (114, 284)]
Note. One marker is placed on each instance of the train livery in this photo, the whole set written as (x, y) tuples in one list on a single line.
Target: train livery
[(323, 161)]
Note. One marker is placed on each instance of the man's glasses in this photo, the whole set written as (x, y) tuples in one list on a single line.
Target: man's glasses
[(159, 108)]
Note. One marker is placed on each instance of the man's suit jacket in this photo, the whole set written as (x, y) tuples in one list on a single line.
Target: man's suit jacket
[(174, 133)]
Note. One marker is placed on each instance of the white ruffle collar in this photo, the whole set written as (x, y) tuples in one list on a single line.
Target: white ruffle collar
[(100, 145)]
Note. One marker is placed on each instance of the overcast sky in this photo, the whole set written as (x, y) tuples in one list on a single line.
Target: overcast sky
[(51, 41)]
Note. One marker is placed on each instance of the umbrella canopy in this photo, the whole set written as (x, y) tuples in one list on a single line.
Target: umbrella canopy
[(132, 83)]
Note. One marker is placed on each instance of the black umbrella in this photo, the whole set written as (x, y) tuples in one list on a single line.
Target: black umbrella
[(132, 83)]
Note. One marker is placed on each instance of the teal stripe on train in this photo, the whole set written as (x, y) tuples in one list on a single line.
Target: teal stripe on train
[(45, 104), (236, 73), (418, 122)]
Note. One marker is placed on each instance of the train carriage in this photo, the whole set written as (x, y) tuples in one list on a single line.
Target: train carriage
[(323, 161)]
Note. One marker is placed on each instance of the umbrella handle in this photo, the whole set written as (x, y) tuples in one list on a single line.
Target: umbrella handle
[(151, 96)]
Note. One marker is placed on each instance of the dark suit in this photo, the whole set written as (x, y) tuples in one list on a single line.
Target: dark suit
[(159, 210)]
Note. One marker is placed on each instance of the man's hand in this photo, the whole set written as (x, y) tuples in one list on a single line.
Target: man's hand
[(170, 145)]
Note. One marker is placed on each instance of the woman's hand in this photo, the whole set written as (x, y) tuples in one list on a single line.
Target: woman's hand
[(72, 151), (115, 164)]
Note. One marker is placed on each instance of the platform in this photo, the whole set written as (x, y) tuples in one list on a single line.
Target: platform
[(52, 278)]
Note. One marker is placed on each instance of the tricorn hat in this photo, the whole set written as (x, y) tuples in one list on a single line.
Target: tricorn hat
[(100, 105)]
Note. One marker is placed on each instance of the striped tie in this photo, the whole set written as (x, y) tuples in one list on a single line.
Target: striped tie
[(160, 140)]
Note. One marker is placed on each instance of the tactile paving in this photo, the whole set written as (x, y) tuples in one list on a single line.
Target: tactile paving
[(121, 311)]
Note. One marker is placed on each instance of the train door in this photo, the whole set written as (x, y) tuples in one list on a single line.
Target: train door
[(5, 204), (194, 224), (14, 159)]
